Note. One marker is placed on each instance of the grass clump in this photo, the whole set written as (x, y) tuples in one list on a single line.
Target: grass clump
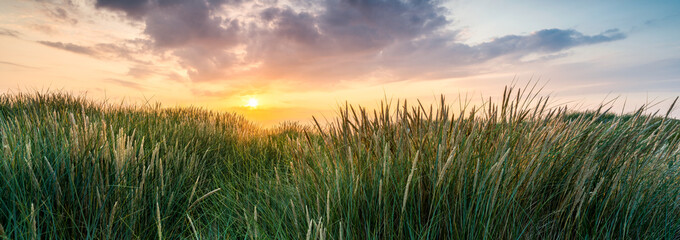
[(73, 168)]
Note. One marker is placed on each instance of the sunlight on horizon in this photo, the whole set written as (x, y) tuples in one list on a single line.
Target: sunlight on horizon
[(252, 103)]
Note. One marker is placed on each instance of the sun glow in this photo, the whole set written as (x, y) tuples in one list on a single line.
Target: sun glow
[(252, 103)]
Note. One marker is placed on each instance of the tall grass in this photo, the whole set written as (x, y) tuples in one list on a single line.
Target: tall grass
[(73, 168)]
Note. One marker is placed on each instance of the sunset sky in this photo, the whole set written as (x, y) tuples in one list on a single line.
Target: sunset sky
[(298, 58)]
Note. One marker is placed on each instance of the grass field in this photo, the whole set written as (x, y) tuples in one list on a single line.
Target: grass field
[(71, 168)]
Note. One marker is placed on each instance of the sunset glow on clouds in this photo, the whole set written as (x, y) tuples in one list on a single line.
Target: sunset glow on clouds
[(300, 58)]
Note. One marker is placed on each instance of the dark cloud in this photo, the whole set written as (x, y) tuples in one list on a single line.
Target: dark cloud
[(544, 41), (133, 8), (407, 41), (291, 26), (138, 9), (336, 39), (355, 26), (71, 47), (376, 23), (193, 30), (61, 2), (190, 22), (60, 13), (342, 40), (176, 23), (431, 56)]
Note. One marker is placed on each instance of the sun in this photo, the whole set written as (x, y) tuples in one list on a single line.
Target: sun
[(252, 103)]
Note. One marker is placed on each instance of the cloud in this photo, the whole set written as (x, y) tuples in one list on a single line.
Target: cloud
[(133, 8), (135, 51), (544, 41), (17, 65), (175, 23), (195, 31), (190, 22), (9, 32), (47, 29), (374, 24), (139, 9), (141, 71), (61, 14), (127, 84), (326, 41), (343, 40), (71, 47)]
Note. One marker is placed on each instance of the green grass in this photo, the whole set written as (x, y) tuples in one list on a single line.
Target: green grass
[(77, 169)]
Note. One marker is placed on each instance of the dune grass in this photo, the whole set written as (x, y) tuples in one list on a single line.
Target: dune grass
[(77, 169)]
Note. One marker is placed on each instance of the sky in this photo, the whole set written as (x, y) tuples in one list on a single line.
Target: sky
[(298, 58)]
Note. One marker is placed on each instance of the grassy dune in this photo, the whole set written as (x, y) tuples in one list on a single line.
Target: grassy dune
[(76, 169)]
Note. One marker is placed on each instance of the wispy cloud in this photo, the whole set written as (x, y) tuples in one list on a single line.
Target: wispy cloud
[(9, 32), (46, 29), (544, 41), (61, 14), (131, 50), (71, 47), (17, 65), (128, 84)]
